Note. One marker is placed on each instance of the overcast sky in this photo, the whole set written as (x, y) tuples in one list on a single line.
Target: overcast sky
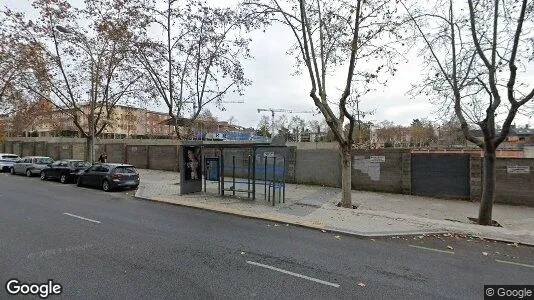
[(274, 86)]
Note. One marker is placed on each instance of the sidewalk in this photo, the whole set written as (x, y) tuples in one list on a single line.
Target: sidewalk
[(379, 214)]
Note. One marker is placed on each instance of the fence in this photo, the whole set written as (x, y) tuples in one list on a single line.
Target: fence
[(141, 153), (450, 175)]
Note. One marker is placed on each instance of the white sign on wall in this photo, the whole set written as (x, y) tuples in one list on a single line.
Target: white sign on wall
[(518, 169), (268, 154), (377, 159)]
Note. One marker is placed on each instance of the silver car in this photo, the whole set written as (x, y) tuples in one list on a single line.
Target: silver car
[(31, 165), (7, 160)]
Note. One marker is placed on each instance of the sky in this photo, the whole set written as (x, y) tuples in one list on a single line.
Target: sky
[(274, 86)]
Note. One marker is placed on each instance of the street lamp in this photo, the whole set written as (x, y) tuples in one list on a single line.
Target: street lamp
[(83, 38)]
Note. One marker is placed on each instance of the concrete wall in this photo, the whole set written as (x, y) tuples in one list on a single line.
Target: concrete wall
[(27, 148), (52, 150), (163, 158), (308, 163), (154, 154), (528, 152), (511, 188), (392, 175), (17, 148), (316, 145), (65, 151), (137, 155), (115, 152), (78, 151), (318, 166), (40, 148), (322, 166)]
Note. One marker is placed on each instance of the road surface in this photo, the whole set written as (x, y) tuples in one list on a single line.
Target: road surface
[(111, 245)]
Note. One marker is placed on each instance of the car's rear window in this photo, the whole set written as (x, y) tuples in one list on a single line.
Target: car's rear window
[(43, 161), (9, 157), (80, 164), (125, 170)]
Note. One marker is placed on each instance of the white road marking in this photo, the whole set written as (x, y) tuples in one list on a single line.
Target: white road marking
[(59, 251), (86, 219), (432, 249), (293, 274), (514, 263)]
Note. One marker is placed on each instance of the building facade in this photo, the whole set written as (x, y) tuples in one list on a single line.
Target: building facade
[(123, 122)]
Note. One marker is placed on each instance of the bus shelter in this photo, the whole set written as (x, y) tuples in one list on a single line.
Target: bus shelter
[(245, 170)]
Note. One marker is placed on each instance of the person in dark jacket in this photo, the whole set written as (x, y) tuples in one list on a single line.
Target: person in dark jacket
[(103, 158)]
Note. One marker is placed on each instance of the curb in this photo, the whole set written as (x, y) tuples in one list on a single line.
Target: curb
[(227, 212), (331, 229), (386, 234), (306, 224)]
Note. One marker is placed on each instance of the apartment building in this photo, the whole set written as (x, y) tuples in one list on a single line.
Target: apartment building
[(124, 122)]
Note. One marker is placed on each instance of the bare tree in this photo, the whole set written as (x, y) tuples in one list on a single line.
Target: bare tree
[(422, 133), (264, 126), (83, 71), (353, 37), (392, 135), (198, 62), (296, 126), (450, 133), (476, 54)]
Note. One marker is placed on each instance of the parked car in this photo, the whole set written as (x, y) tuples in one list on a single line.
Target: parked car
[(7, 160), (65, 171), (31, 165), (110, 176)]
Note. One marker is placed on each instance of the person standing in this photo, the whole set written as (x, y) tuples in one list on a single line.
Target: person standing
[(103, 157)]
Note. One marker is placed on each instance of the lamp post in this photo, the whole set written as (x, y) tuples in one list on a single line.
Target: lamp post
[(92, 99)]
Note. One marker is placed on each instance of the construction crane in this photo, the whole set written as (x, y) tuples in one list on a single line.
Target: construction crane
[(236, 101), (222, 102), (280, 110)]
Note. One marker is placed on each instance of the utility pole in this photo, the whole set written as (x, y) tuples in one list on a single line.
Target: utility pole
[(362, 114)]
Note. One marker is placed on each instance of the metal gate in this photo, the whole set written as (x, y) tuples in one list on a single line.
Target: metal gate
[(441, 175)]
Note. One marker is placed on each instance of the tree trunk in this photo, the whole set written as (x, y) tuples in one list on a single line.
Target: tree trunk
[(89, 149), (488, 188), (177, 131), (346, 178)]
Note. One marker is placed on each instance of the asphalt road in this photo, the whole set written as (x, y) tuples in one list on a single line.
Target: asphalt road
[(110, 245)]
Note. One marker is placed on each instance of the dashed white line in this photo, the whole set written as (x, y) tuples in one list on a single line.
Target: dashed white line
[(292, 274), (79, 217), (431, 249), (514, 263)]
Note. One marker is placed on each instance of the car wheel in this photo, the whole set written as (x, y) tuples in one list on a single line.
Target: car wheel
[(43, 175), (28, 173), (63, 178), (105, 186), (12, 171), (79, 181)]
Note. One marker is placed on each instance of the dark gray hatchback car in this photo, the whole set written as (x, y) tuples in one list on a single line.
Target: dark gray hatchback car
[(110, 176)]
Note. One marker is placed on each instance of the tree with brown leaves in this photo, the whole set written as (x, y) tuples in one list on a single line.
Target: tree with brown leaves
[(84, 71)]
